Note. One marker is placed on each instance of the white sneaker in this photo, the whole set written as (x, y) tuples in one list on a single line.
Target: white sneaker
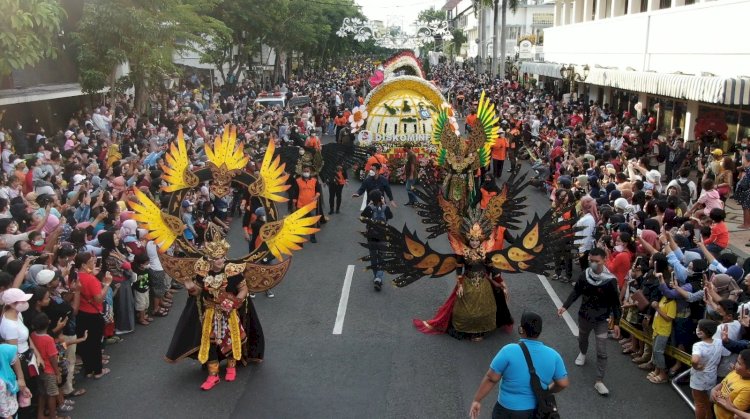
[(252, 295), (601, 389), (269, 294), (581, 359)]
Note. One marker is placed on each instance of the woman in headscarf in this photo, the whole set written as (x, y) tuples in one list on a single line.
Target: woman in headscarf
[(132, 239), (114, 262), (10, 384)]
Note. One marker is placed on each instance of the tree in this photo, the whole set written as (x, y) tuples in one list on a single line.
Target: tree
[(459, 39), (30, 30), (498, 62), (428, 15), (142, 33)]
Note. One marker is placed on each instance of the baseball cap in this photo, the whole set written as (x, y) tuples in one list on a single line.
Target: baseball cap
[(16, 162), (14, 295), (717, 152), (186, 203), (78, 179), (45, 276)]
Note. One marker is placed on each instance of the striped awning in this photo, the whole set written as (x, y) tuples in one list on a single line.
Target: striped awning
[(710, 89), (541, 68)]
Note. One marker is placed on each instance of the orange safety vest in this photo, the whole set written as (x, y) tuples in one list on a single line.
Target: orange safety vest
[(306, 190), (486, 196), (313, 142), (376, 158), (471, 120), (340, 179), (499, 149)]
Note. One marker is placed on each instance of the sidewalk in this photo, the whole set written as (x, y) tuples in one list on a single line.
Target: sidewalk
[(737, 237)]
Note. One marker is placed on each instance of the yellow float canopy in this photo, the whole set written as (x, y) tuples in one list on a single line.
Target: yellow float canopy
[(396, 107)]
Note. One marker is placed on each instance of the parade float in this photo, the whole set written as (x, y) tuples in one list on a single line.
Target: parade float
[(399, 110)]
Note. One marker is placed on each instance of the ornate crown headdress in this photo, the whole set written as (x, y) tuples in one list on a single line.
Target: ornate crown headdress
[(476, 227), (215, 246)]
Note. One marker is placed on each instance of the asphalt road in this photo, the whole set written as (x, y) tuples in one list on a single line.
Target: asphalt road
[(378, 367)]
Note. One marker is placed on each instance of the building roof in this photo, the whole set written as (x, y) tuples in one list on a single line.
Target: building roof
[(449, 4)]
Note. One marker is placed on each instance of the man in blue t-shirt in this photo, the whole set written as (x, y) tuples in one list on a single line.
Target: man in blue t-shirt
[(516, 399)]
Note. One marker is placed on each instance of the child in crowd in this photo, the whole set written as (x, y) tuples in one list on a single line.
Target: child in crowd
[(666, 310), (141, 288), (705, 360), (50, 377)]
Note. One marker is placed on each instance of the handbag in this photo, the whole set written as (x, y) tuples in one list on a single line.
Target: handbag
[(640, 300), (546, 405)]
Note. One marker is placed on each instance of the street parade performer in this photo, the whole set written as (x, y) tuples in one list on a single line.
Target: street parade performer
[(478, 303), (219, 321)]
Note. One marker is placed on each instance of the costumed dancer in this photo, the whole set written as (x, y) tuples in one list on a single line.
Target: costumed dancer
[(478, 302), (220, 322)]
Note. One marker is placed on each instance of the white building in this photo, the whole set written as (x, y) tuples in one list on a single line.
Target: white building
[(530, 18), (681, 60)]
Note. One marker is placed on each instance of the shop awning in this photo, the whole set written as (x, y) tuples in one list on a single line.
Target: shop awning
[(680, 86), (710, 89), (541, 68)]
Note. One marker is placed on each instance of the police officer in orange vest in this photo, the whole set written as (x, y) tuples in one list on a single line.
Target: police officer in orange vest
[(306, 189)]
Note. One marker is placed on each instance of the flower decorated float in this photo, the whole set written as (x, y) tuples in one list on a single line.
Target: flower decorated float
[(398, 111)]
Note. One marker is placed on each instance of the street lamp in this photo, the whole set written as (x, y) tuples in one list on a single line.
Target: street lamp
[(570, 74)]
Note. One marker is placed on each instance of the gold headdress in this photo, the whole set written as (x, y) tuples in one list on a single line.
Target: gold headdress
[(215, 246), (475, 233)]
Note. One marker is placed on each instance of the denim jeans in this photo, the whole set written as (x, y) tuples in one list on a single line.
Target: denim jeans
[(409, 185), (375, 259), (657, 356), (600, 333)]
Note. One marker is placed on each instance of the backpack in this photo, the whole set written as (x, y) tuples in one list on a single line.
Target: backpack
[(684, 191)]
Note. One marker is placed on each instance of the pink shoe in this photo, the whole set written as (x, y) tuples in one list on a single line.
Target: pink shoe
[(210, 382), (231, 374)]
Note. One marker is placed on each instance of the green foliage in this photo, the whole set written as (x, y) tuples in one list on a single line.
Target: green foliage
[(143, 33), (29, 32), (430, 14)]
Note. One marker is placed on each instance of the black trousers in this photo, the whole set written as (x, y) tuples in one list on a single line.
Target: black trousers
[(334, 196), (90, 349), (497, 168), (499, 412)]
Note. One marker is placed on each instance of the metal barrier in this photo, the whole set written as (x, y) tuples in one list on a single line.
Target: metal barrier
[(672, 352)]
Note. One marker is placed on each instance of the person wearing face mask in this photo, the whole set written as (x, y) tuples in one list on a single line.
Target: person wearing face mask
[(620, 258), (305, 190), (600, 298), (13, 331), (373, 182), (705, 357)]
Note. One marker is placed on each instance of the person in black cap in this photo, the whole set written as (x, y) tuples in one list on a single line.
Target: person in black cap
[(516, 398)]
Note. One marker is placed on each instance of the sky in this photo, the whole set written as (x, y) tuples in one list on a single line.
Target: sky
[(400, 12)]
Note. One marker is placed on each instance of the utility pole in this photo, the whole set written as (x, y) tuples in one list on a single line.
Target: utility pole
[(482, 37)]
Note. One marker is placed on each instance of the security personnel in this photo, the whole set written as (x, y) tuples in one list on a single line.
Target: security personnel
[(306, 189)]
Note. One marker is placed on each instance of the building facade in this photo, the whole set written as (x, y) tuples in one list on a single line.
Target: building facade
[(665, 57), (530, 18)]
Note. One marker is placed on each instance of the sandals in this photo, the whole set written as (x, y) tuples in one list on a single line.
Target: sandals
[(162, 312), (104, 372), (65, 408), (143, 322), (657, 379), (75, 393)]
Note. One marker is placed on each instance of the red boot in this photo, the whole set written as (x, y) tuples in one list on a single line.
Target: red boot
[(210, 382), (231, 374)]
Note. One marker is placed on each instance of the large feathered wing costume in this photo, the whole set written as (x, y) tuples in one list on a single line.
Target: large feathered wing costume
[(410, 259), (280, 237)]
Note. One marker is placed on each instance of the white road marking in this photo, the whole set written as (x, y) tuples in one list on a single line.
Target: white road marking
[(555, 299), (364, 202), (338, 327)]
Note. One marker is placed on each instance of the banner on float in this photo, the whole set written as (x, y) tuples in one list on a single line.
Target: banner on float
[(366, 138)]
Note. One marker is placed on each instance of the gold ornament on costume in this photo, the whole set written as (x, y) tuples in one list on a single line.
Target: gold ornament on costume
[(283, 237), (162, 228), (272, 179), (475, 233), (216, 249), (176, 167), (225, 159)]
